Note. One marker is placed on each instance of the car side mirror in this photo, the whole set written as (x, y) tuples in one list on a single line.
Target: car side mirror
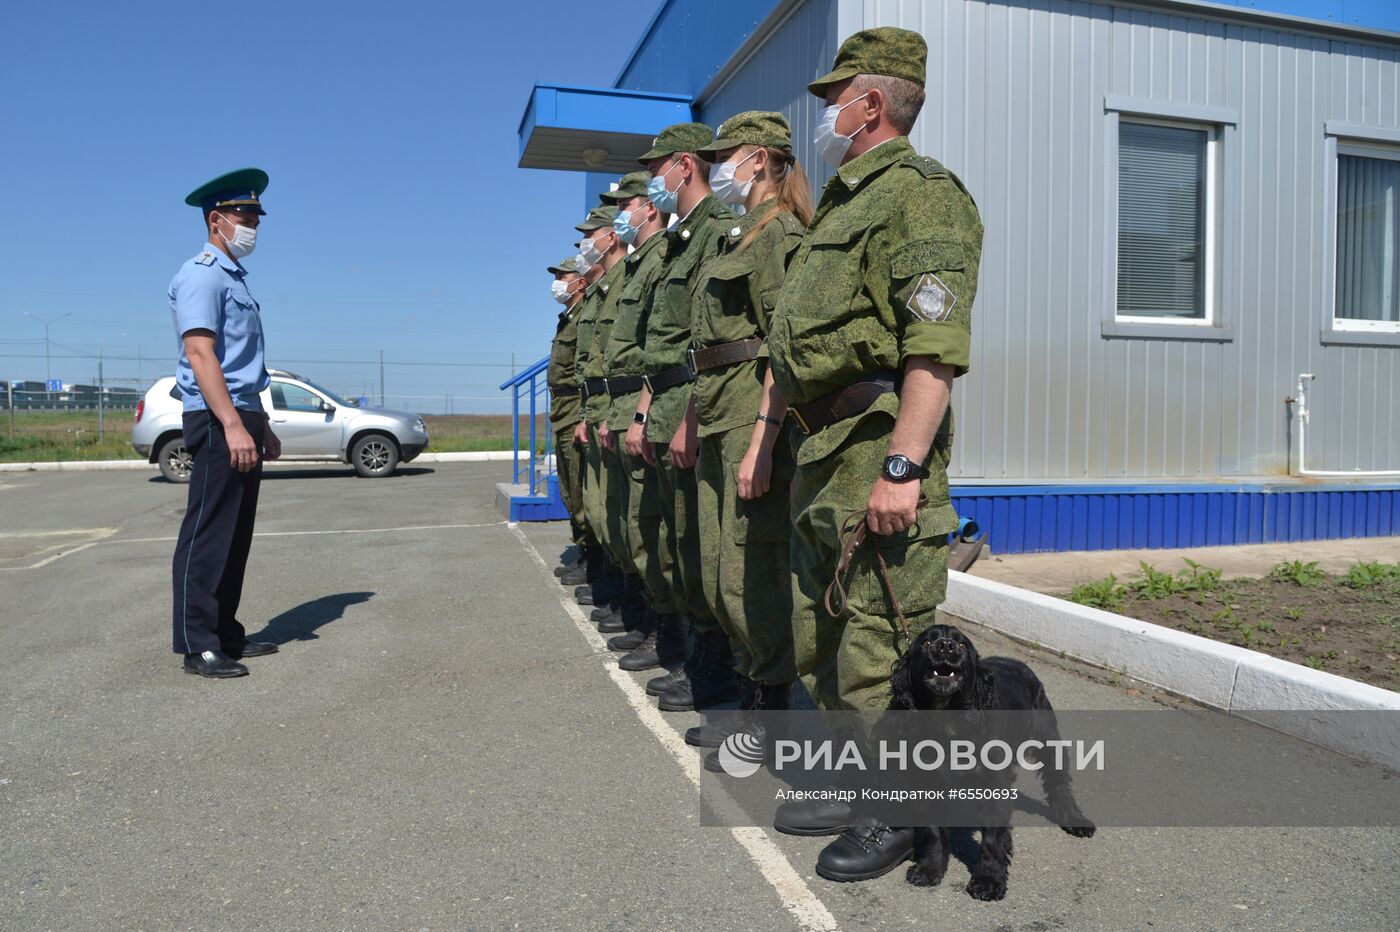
[(327, 407)]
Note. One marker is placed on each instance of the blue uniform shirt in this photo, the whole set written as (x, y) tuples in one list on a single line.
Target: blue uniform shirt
[(210, 293)]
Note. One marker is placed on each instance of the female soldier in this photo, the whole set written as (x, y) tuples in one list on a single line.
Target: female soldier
[(746, 463)]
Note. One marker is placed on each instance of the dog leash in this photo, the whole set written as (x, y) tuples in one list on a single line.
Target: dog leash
[(855, 531)]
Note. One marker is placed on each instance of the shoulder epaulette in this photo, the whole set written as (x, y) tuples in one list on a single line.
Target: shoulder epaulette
[(924, 165), (204, 258)]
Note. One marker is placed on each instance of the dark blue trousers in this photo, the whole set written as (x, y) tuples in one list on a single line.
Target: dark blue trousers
[(212, 552)]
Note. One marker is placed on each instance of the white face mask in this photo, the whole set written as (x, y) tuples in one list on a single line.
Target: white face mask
[(245, 239), (725, 186), (584, 266), (591, 252), (831, 146), (559, 290)]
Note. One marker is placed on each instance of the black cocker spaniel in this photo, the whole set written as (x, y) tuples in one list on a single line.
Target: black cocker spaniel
[(942, 671)]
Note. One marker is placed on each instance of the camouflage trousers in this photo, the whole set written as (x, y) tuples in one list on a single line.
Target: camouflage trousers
[(745, 551), (646, 536), (568, 463), (616, 487), (595, 494), (677, 488), (845, 661)]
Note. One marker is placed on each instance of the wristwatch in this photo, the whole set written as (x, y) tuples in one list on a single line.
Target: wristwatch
[(639, 417), (900, 468)]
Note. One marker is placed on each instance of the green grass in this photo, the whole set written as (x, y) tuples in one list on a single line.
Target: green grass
[(1298, 573), (52, 436)]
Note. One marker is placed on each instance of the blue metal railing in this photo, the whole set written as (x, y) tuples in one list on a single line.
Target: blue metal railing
[(531, 384)]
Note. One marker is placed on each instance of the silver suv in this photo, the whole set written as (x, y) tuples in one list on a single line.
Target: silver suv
[(313, 424)]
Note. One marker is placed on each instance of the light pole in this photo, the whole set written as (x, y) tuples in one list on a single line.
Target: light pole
[(46, 323)]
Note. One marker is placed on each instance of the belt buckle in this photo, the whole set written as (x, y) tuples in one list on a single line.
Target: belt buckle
[(646, 380), (801, 421), (690, 361), (606, 390)]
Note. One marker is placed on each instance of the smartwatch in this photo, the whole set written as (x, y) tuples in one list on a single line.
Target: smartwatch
[(900, 468), (639, 417)]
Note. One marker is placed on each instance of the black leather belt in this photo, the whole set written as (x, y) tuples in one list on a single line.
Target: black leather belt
[(854, 399), (624, 384), (563, 392), (668, 378), (725, 354), (594, 387)]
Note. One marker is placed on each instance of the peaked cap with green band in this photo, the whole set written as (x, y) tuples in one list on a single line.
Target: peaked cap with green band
[(751, 128), (680, 137), (237, 190), (630, 185), (564, 267), (886, 50), (598, 218)]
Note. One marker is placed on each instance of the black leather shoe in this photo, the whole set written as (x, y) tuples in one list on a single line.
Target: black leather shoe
[(584, 595), (812, 817), (659, 684), (612, 624), (602, 612), (215, 664), (572, 575), (626, 643), (865, 851), (252, 649), (642, 658)]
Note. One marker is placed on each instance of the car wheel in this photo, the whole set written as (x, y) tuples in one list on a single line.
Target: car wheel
[(374, 455), (175, 461)]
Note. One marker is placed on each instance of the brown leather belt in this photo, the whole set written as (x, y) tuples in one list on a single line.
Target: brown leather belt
[(668, 378), (854, 399), (725, 354), (563, 392), (624, 384)]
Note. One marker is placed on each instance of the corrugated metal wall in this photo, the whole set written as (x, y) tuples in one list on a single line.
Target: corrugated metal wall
[(689, 41), (1016, 108)]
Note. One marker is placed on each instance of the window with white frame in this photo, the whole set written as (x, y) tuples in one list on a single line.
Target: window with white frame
[(1167, 179), (1368, 240)]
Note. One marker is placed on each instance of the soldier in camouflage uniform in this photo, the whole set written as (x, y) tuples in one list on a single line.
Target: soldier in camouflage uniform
[(746, 462), (873, 323), (602, 260), (680, 185), (662, 641), (564, 406)]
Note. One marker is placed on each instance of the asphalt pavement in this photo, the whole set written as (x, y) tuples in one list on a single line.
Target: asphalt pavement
[(442, 744)]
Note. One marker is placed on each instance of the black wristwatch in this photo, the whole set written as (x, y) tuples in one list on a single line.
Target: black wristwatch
[(900, 468), (639, 417)]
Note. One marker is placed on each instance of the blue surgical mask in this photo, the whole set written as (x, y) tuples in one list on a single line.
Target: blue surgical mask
[(624, 228), (664, 199), (831, 146)]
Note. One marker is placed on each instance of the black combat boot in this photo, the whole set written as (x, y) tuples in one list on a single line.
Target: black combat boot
[(609, 588), (609, 619), (659, 684), (712, 733), (665, 646), (757, 697), (709, 667), (866, 850), (643, 633)]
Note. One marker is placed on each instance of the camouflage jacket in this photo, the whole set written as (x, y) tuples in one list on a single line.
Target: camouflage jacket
[(564, 411), (596, 407), (623, 355), (734, 300)]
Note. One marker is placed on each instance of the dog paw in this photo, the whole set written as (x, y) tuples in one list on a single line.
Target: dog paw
[(1078, 826), (921, 875), (986, 888)]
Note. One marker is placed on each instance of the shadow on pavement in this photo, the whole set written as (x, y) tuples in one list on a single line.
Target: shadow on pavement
[(302, 622)]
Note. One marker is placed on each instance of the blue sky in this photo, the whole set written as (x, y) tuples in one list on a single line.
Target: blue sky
[(398, 219)]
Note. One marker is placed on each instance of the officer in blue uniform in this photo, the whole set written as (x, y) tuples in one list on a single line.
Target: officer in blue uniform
[(220, 373)]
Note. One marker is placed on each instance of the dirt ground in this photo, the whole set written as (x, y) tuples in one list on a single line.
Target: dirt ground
[(1344, 624)]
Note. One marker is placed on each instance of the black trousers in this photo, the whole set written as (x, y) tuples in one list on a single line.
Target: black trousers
[(212, 552)]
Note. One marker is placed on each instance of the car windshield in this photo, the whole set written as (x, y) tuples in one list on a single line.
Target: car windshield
[(330, 394)]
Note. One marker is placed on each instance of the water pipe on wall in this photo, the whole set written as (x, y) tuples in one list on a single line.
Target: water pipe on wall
[(1300, 398)]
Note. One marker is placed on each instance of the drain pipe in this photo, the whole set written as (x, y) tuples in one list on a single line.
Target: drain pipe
[(1300, 398)]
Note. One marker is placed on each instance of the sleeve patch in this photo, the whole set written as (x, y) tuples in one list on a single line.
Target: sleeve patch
[(932, 300)]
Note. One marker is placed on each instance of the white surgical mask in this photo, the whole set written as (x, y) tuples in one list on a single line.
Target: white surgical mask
[(559, 291), (245, 239), (584, 266), (591, 252), (830, 145), (725, 186)]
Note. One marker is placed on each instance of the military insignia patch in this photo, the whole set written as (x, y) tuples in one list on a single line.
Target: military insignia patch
[(205, 258), (932, 301)]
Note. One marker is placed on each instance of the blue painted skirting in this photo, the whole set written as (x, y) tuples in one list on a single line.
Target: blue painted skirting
[(548, 506), (1030, 519)]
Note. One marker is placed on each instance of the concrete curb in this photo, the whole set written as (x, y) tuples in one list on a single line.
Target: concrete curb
[(93, 465), (1233, 679)]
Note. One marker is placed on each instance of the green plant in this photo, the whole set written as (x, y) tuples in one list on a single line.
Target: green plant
[(1154, 584), (1293, 613), (1265, 626), (1197, 578), (1315, 662), (1298, 573), (1106, 594), (1366, 575)]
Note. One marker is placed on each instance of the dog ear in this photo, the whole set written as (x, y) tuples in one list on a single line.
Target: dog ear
[(984, 684), (901, 688)]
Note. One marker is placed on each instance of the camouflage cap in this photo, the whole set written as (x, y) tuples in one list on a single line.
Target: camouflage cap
[(751, 128), (598, 218), (630, 185), (564, 266), (682, 137), (887, 50)]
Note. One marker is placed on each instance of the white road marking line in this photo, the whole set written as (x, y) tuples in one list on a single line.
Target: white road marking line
[(797, 898), (95, 533)]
